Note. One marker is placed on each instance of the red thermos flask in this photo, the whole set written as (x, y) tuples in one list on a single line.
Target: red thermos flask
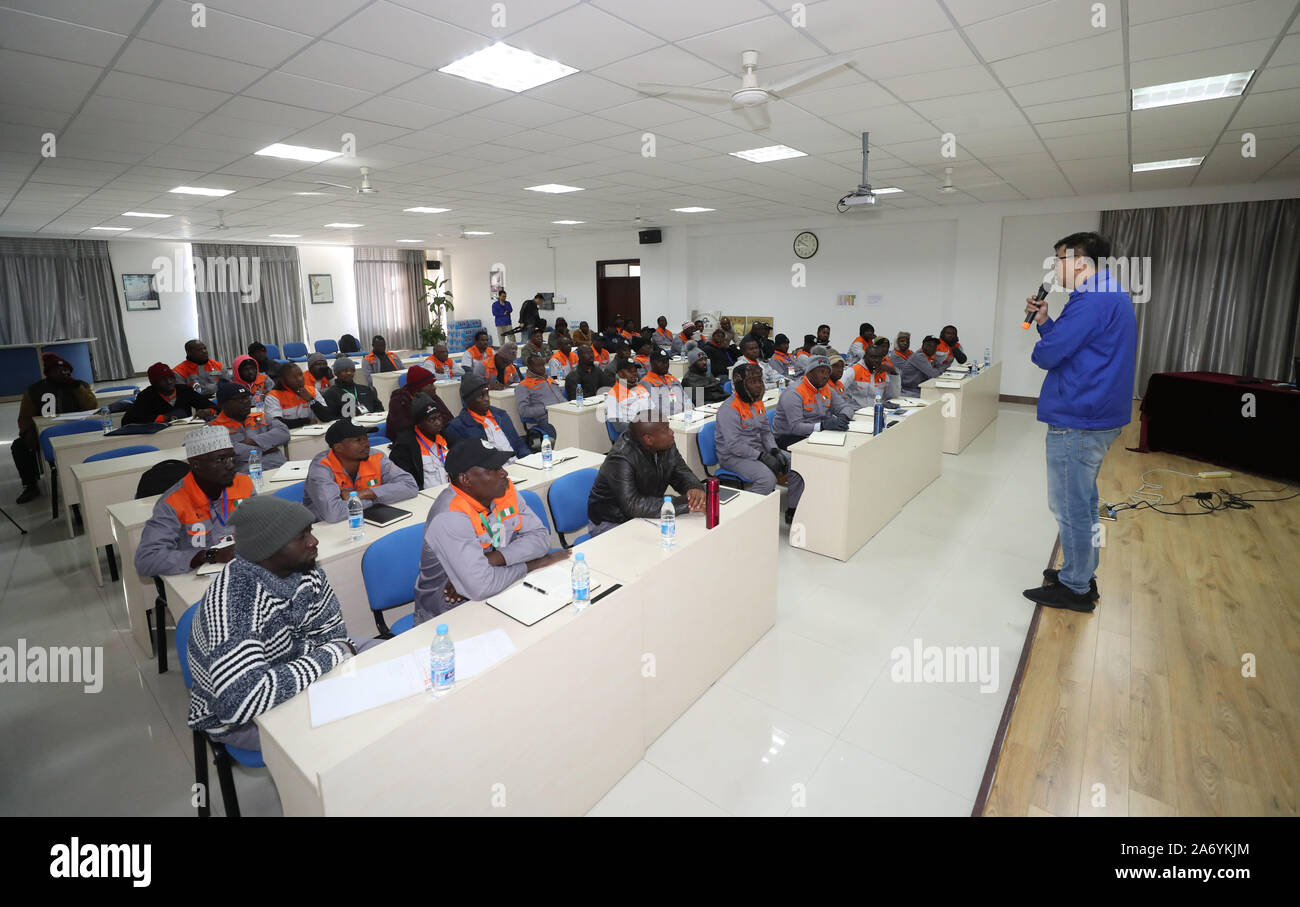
[(710, 503)]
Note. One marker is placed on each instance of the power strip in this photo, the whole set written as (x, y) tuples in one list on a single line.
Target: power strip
[(1221, 474)]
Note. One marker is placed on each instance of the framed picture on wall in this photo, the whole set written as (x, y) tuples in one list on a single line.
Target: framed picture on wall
[(141, 293), (322, 288)]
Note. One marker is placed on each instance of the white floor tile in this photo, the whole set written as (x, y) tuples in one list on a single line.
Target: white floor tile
[(852, 782), (647, 791)]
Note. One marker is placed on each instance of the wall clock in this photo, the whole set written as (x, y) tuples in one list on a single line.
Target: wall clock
[(805, 244)]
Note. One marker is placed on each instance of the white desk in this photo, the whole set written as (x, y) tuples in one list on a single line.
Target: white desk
[(677, 367), (968, 409), (685, 432), (448, 390), (505, 399), (579, 426), (384, 384), (851, 492)]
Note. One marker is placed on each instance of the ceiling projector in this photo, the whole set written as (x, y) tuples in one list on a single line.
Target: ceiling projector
[(859, 196)]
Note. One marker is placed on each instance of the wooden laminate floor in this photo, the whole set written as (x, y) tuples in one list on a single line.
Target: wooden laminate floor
[(1141, 708)]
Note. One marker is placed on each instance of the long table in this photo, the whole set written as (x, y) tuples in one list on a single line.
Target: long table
[(851, 492), (686, 431), (968, 408), (551, 728), (579, 426)]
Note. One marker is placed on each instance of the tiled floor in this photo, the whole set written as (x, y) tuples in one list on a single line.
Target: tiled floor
[(808, 722)]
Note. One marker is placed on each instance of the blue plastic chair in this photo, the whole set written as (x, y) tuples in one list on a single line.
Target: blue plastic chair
[(612, 431), (379, 438), (771, 417), (389, 569), (295, 351), (120, 452), (707, 442), (567, 498), (726, 387), (272, 351), (221, 754), (133, 388), (291, 492), (76, 427), (327, 347)]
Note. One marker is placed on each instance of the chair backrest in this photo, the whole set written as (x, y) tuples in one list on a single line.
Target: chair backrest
[(183, 642), (291, 492), (76, 427), (707, 442), (612, 431), (567, 497), (390, 567), (771, 416), (272, 351), (120, 452), (401, 380), (161, 476), (295, 350), (326, 347), (120, 387), (726, 387), (536, 506)]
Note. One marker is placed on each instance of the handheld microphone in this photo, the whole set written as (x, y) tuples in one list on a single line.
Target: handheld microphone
[(1043, 290)]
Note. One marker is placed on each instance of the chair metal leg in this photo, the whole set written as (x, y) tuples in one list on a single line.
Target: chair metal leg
[(112, 564), (160, 625), (201, 772), (226, 777), (381, 626), (54, 492)]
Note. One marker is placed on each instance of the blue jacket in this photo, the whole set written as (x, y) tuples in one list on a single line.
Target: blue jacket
[(1089, 354), (501, 312), (464, 426)]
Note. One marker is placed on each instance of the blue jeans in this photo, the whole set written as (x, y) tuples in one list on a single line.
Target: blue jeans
[(1074, 458)]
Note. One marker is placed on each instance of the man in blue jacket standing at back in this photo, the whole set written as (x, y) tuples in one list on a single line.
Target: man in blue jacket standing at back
[(1086, 399), (501, 310)]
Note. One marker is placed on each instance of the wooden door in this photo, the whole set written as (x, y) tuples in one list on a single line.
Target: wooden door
[(618, 292)]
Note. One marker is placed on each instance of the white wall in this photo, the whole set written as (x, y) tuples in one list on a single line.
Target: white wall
[(155, 336), (330, 321)]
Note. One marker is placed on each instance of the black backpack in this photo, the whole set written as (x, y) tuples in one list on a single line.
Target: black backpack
[(161, 476)]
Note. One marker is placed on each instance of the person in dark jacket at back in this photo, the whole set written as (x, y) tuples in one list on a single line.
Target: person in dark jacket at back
[(346, 394), (419, 380), (721, 356), (164, 400), (422, 449), (636, 474), (700, 386), (59, 390), (348, 345), (482, 421), (586, 373)]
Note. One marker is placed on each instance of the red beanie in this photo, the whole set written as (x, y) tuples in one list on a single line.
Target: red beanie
[(49, 360), (417, 377), (158, 371)]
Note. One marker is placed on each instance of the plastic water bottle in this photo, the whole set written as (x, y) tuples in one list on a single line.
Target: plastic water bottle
[(106, 422), (255, 467), (878, 412), (578, 399), (988, 357), (581, 575), (198, 388), (442, 662), (356, 518), (782, 382), (548, 456), (668, 523)]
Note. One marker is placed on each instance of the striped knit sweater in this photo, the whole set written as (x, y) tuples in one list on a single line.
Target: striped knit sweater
[(258, 640)]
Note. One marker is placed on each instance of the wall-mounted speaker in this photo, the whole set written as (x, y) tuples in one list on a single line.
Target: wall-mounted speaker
[(431, 265), (651, 236)]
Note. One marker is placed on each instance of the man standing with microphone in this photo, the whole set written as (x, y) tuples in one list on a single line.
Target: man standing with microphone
[(1086, 399)]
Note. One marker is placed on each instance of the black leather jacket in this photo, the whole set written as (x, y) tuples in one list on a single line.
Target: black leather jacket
[(632, 482), (333, 408)]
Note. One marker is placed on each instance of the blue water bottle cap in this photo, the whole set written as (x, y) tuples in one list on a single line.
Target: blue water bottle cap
[(352, 494), (442, 629), (579, 556)]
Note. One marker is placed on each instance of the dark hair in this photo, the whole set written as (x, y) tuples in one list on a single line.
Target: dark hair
[(866, 326), (820, 326), (881, 341), (929, 338), (378, 337), (349, 344), (781, 338), (536, 330), (1092, 246), (639, 343), (623, 362), (809, 339), (532, 356), (190, 343), (481, 333), (255, 347)]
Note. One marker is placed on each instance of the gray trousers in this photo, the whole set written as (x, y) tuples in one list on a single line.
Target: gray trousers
[(761, 480)]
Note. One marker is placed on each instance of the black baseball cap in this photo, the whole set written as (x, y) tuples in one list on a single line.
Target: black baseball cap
[(474, 452), (228, 390), (342, 429)]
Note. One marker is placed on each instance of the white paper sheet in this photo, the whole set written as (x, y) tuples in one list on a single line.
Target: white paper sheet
[(534, 461), (947, 384), (72, 417), (828, 438), (293, 471)]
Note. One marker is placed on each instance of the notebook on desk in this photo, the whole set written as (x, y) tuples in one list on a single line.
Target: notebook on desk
[(947, 384), (828, 438), (370, 418), (909, 402), (307, 431), (539, 594), (382, 515), (534, 461), (293, 471)]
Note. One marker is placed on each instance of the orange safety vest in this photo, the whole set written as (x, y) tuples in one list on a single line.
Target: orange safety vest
[(809, 394), (532, 381), (571, 359), (369, 472), (257, 384), (374, 360), (664, 333), (621, 392), (484, 420), (642, 360), (837, 385), (683, 338), (189, 369), (440, 364), (659, 380), (254, 420), (194, 508), (504, 508), (600, 355), (748, 410), (438, 446), (511, 374), (783, 358), (309, 381), (487, 357), (862, 373), (944, 348), (906, 354), (289, 399)]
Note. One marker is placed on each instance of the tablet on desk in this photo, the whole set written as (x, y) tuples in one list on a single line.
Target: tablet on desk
[(382, 515), (725, 494)]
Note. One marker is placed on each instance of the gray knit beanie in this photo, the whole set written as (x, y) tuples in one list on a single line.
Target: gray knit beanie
[(264, 524)]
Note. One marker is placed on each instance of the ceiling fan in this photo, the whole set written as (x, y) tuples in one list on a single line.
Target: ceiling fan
[(364, 189), (222, 226), (750, 96), (949, 188)]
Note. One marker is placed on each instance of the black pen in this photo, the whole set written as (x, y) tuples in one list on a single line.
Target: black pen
[(537, 588)]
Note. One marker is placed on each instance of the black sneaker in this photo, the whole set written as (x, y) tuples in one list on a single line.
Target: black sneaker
[(1058, 596), (1054, 576), (30, 493), (789, 515)]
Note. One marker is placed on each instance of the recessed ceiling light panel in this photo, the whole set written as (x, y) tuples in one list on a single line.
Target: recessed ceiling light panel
[(511, 68)]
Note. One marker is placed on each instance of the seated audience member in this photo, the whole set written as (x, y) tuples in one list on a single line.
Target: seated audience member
[(480, 535), (804, 352), (866, 377), (560, 332), (599, 353), (480, 420), (581, 335), (624, 329), (192, 518), (781, 361), (479, 358), (562, 361), (699, 331), (948, 343), (440, 364), (378, 359), (700, 386), (824, 339), (858, 348), (419, 381), (724, 325), (663, 338), (349, 345), (421, 449), (641, 354), (836, 383), (198, 371), (536, 392), (765, 342), (347, 465), (164, 400), (68, 395), (586, 374), (902, 350), (808, 406), (507, 371), (535, 344), (745, 443), (686, 335), (246, 659), (755, 334), (922, 365), (346, 399), (249, 430), (636, 474), (751, 354), (626, 398), (886, 360), (318, 378), (266, 365), (244, 371), (721, 355), (290, 401), (666, 393)]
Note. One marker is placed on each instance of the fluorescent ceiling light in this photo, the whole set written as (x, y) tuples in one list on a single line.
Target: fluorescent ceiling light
[(311, 193), (886, 190), (422, 210), (298, 153), (344, 226), (478, 232), (410, 240), (568, 223), (511, 68), (1211, 88), (143, 214), (1168, 165), (555, 188), (694, 209), (770, 153), (112, 229), (285, 235), (195, 190)]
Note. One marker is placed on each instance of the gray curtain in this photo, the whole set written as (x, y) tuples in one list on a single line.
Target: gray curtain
[(1224, 286), (61, 288), (230, 316), (389, 285)]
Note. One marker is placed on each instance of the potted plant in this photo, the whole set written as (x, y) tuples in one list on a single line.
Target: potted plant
[(438, 298)]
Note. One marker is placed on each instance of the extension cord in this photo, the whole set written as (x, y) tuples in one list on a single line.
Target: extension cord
[(1213, 475)]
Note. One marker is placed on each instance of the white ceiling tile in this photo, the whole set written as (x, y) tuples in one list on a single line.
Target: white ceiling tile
[(1287, 52), (1143, 11), (662, 64), (407, 36), (1271, 108), (16, 66), (971, 113), (54, 104), (1050, 91), (586, 128), (329, 133), (482, 17), (584, 37), (1089, 145), (318, 18), (848, 99), (298, 91), (441, 90), (1111, 123), (1042, 25), (1079, 108), (246, 108), (53, 38), (118, 16), (224, 35), (928, 53), (646, 113), (673, 20), (331, 62), (160, 61), (398, 113), (776, 41), (1213, 28), (158, 91), (942, 83), (1206, 116), (1276, 78), (525, 112), (1083, 56), (843, 25)]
